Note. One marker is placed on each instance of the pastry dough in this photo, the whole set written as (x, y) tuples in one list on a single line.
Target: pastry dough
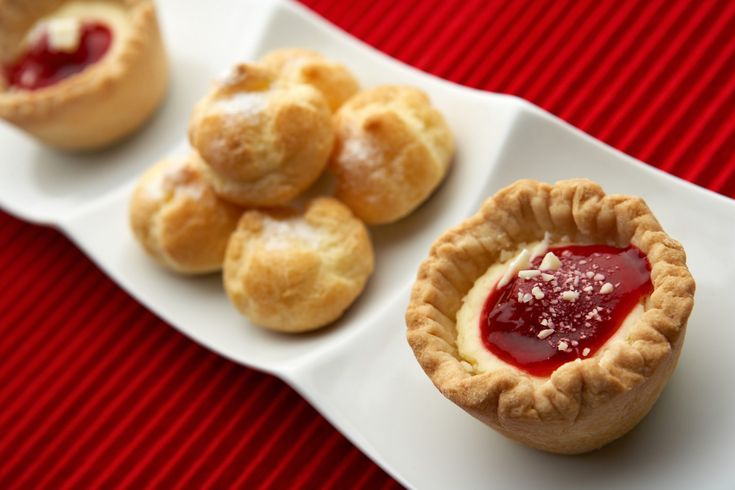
[(292, 272), (107, 100), (179, 219), (392, 150), (583, 404), (332, 79), (265, 140)]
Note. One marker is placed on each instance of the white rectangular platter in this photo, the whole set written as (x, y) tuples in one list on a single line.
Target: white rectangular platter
[(360, 373)]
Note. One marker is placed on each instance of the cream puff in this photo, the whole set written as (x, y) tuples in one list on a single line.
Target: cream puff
[(300, 65), (179, 220), (392, 150), (294, 272), (264, 140)]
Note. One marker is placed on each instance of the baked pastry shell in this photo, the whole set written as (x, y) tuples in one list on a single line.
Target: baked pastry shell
[(100, 105), (584, 404)]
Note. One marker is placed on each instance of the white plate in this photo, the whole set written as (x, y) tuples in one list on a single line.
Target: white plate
[(360, 373)]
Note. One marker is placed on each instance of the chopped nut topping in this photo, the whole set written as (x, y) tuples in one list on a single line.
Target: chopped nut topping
[(547, 277), (64, 34), (599, 277), (586, 351), (537, 293), (528, 273), (518, 263), (562, 345), (542, 246), (606, 288), (550, 263), (545, 333), (569, 295)]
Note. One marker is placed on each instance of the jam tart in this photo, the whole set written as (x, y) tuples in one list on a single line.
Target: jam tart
[(80, 74), (555, 315)]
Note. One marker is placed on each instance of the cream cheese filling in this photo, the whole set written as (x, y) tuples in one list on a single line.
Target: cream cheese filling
[(469, 343)]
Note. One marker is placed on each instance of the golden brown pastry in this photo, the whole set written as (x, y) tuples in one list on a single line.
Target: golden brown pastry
[(392, 150), (555, 315), (179, 219), (80, 74), (300, 65), (264, 140), (295, 272)]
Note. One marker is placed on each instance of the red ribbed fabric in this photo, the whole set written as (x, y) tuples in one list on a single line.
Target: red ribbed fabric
[(97, 392)]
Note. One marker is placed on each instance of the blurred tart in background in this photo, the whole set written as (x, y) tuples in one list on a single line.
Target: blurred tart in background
[(80, 74)]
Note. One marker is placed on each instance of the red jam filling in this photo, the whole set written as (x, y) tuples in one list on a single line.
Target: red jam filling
[(42, 66), (528, 322)]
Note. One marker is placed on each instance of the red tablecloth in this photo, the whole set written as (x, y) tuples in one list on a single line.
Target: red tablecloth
[(96, 391)]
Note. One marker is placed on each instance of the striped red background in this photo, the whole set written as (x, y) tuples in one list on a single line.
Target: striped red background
[(97, 392)]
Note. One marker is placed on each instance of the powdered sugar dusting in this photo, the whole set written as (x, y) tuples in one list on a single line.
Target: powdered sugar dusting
[(179, 179), (247, 105), (154, 189), (296, 63), (164, 182), (232, 75), (192, 190), (358, 149), (284, 233)]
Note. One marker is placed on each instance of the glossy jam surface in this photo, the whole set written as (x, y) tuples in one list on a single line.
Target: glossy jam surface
[(539, 323), (41, 66)]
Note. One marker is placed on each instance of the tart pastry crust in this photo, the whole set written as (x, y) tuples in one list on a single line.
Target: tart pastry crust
[(265, 140), (392, 150), (106, 101), (586, 403), (178, 218), (295, 272)]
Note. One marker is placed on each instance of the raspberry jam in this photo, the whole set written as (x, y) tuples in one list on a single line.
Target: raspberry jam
[(543, 319), (41, 65)]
